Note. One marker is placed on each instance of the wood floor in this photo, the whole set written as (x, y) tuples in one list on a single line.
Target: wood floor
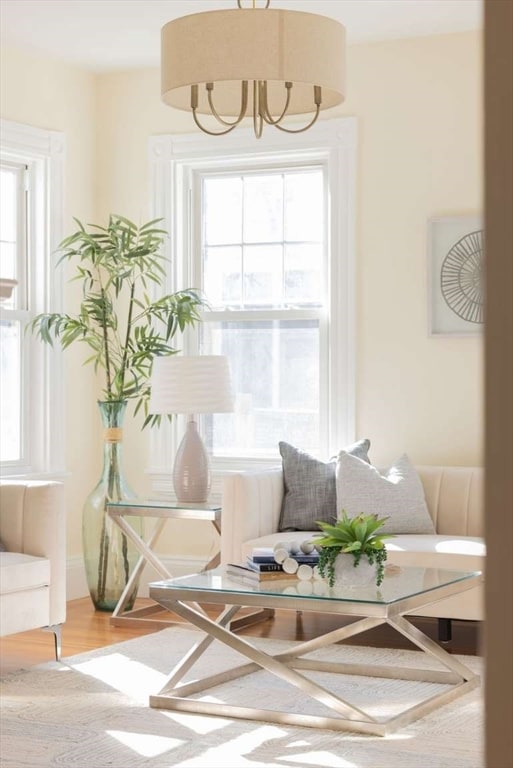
[(86, 629)]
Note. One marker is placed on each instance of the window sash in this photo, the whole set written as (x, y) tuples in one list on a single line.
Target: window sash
[(19, 243), (42, 433), (255, 314)]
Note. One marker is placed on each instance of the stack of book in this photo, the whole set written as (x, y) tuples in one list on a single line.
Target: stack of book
[(261, 565)]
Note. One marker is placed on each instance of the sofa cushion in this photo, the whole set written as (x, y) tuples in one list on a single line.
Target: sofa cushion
[(396, 494), (310, 487), (19, 572), (466, 553)]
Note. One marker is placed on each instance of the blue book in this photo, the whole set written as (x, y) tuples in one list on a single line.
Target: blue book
[(267, 567), (266, 555), (311, 559)]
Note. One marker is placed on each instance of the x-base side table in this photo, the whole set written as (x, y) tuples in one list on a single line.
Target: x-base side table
[(162, 512)]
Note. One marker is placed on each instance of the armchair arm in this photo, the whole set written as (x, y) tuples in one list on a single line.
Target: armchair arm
[(33, 522), (251, 508)]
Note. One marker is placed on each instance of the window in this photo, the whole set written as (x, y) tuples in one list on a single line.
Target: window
[(262, 267), (265, 229), (31, 163), (12, 267)]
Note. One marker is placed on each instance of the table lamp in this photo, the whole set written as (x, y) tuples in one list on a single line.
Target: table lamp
[(191, 385)]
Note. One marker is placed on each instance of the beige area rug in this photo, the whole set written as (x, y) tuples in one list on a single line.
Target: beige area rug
[(91, 711)]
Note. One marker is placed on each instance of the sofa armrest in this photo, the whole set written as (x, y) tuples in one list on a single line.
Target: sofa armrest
[(251, 508), (33, 522)]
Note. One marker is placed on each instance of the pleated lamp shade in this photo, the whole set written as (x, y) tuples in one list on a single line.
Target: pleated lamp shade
[(191, 385)]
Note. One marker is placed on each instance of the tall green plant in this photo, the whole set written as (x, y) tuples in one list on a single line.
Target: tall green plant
[(117, 264)]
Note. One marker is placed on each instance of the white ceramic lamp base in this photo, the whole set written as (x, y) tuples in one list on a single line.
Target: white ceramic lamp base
[(191, 472)]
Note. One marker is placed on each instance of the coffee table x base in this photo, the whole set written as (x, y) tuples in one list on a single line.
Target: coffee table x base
[(458, 678)]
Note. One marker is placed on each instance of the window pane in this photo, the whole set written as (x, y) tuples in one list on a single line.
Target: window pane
[(304, 206), (263, 275), (8, 185), (223, 210), (7, 259), (222, 279), (263, 209), (303, 274), (9, 188), (10, 391), (275, 372)]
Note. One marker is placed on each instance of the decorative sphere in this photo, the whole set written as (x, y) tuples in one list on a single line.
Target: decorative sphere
[(290, 565), (305, 572), (280, 555)]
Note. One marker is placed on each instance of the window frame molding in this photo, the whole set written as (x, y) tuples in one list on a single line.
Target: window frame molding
[(43, 151), (173, 159)]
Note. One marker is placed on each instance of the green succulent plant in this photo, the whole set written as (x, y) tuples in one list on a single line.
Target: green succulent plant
[(352, 535)]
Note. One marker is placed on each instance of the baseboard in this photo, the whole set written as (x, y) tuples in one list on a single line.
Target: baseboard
[(76, 583)]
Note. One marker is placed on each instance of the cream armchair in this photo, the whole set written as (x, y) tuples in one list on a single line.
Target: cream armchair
[(33, 565)]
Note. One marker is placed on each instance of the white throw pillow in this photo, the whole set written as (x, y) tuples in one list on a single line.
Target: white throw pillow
[(397, 493)]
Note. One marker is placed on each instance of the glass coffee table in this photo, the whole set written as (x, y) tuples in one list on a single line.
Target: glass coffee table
[(403, 591)]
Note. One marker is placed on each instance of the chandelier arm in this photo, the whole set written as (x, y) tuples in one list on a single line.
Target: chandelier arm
[(265, 108), (258, 121), (318, 102), (300, 130), (243, 104), (267, 4), (206, 130)]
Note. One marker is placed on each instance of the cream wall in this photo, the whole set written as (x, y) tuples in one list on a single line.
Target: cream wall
[(418, 104), (419, 107), (48, 95)]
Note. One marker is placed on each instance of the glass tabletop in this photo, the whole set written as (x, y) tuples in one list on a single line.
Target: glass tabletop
[(398, 584), (162, 504)]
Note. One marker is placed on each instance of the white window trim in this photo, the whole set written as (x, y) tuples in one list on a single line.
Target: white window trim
[(44, 153), (172, 159)]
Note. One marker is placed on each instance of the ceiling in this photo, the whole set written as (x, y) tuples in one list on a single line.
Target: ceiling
[(109, 35)]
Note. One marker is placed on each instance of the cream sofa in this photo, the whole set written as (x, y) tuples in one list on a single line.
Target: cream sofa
[(454, 496), (33, 565)]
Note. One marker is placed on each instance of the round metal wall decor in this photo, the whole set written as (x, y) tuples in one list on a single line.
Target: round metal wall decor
[(461, 278)]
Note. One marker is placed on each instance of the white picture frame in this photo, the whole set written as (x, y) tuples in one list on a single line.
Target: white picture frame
[(455, 275)]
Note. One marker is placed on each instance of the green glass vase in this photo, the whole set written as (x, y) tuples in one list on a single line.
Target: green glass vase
[(109, 556)]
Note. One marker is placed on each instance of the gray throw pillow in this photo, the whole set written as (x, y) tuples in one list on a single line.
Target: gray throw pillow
[(309, 492), (396, 493)]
